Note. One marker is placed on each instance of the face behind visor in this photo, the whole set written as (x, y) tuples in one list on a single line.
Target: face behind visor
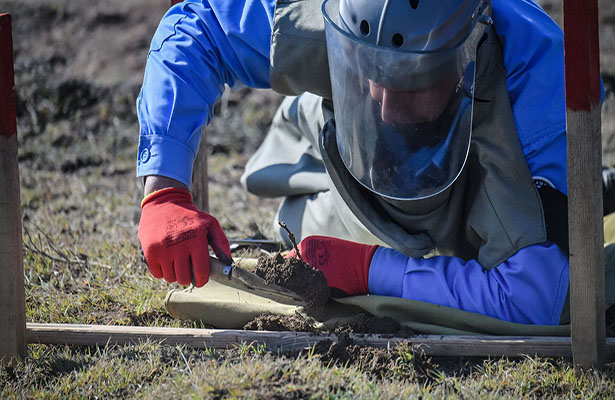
[(402, 75)]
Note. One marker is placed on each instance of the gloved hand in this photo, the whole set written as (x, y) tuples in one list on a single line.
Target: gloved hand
[(344, 263), (175, 235)]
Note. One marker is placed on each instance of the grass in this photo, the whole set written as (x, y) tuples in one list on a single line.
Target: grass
[(150, 370), (80, 204), (106, 283), (83, 265)]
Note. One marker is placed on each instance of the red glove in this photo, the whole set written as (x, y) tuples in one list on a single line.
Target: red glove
[(344, 263), (175, 235)]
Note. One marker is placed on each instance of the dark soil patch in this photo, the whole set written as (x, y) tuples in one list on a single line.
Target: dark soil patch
[(270, 322), (293, 274), (377, 363), (367, 323), (79, 163), (361, 323), (106, 19)]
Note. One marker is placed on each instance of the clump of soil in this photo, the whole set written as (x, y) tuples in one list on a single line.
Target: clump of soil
[(378, 363), (268, 322), (367, 323), (361, 323), (295, 275)]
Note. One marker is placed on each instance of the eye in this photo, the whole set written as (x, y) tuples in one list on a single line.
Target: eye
[(397, 40), (414, 4), (365, 27)]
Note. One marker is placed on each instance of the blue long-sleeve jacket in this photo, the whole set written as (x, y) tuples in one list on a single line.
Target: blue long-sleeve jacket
[(202, 44)]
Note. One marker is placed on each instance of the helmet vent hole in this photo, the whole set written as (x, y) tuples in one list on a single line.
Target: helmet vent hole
[(414, 4), (365, 27), (397, 40)]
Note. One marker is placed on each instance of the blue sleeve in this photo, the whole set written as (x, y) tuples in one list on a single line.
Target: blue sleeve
[(199, 46), (533, 51), (530, 287)]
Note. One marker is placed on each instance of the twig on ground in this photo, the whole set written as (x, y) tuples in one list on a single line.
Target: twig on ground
[(63, 256), (291, 236)]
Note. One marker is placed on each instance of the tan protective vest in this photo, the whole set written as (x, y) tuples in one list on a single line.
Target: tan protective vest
[(493, 209)]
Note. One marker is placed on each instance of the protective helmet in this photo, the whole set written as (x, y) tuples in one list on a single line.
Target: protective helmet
[(402, 77), (414, 25)]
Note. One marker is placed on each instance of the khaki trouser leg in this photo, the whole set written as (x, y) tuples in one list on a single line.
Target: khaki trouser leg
[(288, 164)]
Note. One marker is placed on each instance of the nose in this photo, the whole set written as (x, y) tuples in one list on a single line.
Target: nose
[(393, 106), (392, 103), (410, 107)]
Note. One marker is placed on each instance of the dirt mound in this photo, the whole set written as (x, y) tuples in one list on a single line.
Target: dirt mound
[(361, 323), (295, 275), (377, 363), (366, 323), (270, 322)]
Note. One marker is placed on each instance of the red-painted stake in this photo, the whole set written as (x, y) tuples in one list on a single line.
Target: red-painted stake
[(584, 159), (12, 298), (8, 122)]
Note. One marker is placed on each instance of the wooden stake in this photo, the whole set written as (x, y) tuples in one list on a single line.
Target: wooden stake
[(101, 335), (200, 176), (582, 63), (12, 298)]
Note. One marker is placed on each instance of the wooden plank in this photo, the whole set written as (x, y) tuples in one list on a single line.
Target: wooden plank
[(288, 341), (12, 297), (581, 53)]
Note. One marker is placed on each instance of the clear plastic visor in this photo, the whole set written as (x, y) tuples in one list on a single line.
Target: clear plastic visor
[(403, 119)]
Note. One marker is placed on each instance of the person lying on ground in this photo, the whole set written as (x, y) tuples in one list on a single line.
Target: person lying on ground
[(417, 128)]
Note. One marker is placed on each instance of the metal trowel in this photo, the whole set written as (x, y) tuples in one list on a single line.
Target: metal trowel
[(238, 278)]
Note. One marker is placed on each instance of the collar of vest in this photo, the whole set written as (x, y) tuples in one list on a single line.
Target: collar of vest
[(367, 206)]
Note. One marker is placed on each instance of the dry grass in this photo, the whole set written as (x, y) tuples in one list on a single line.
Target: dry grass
[(80, 202)]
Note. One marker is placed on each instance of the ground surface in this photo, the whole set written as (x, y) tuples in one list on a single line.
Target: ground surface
[(78, 67)]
